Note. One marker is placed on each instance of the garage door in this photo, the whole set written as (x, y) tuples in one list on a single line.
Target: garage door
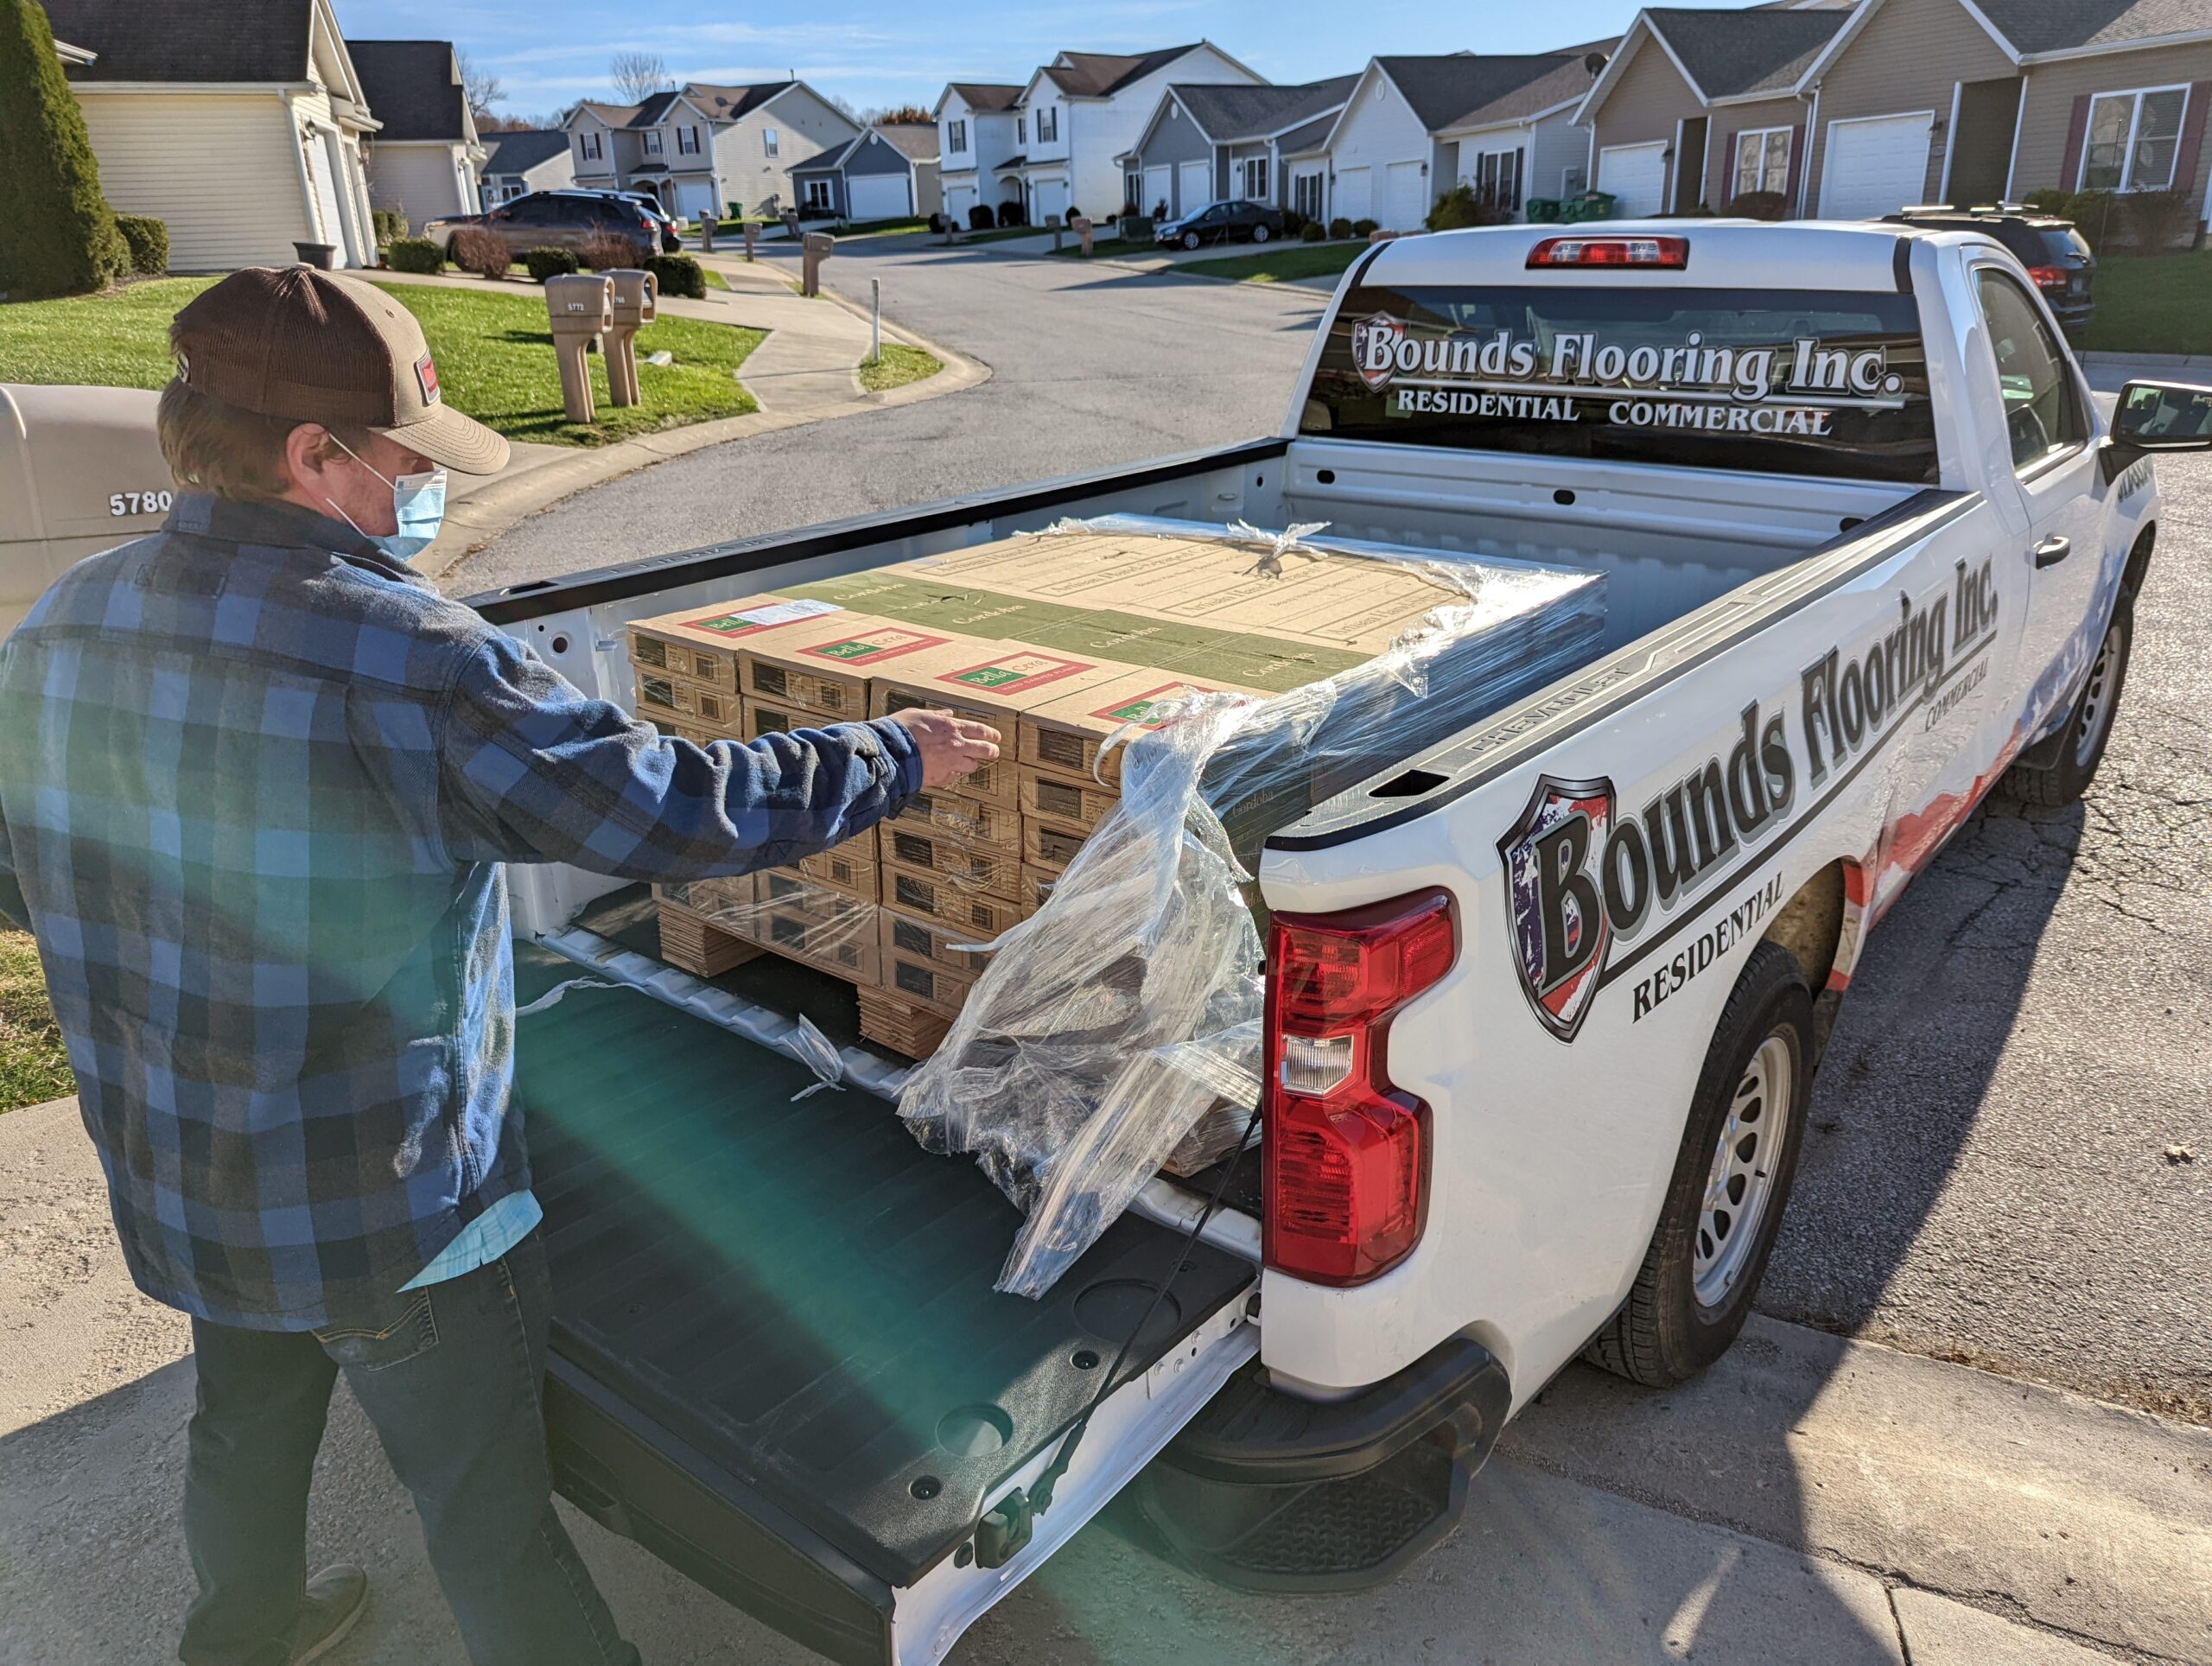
[(1051, 198), (879, 196), (1635, 176), (958, 200), (1197, 181), (1159, 191), (1874, 167), (1354, 192), (1406, 207)]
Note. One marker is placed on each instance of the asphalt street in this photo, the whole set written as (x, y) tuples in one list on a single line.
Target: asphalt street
[(1091, 366)]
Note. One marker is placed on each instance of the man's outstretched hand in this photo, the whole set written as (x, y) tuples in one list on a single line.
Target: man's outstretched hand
[(950, 746)]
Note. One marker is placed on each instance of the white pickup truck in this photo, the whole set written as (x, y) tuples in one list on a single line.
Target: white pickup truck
[(1870, 552)]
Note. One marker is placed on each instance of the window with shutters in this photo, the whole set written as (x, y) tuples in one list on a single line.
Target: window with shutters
[(687, 141), (956, 138), (652, 143), (590, 144), (2132, 139), (1762, 161)]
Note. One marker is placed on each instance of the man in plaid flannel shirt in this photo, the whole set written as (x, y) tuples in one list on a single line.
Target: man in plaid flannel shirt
[(258, 782)]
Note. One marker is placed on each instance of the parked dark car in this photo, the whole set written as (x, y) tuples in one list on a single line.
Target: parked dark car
[(1222, 222), (2055, 254), (556, 219), (671, 241)]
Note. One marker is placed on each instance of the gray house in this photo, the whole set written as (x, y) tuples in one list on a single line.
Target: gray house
[(890, 172), (524, 160), (1208, 142)]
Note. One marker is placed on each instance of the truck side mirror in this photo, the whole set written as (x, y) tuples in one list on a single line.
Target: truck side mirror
[(2164, 416)]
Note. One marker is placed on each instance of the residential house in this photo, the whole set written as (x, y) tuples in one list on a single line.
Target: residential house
[(424, 159), (974, 134), (521, 160), (1944, 101), (1079, 115), (890, 172), (1206, 143), (237, 122), (702, 146), (1697, 108), (1396, 145)]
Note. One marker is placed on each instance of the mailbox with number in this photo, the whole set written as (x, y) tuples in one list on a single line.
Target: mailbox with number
[(80, 471)]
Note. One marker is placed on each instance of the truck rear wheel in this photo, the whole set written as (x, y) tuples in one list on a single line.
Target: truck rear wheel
[(2087, 730), (1731, 1179)]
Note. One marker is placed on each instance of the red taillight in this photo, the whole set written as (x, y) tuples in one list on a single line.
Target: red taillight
[(2048, 277), (1666, 253), (1347, 1153)]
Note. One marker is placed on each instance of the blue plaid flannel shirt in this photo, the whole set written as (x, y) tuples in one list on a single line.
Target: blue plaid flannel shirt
[(259, 783)]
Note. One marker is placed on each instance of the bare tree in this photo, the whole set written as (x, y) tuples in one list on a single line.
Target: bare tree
[(481, 86), (897, 116), (846, 108), (637, 75)]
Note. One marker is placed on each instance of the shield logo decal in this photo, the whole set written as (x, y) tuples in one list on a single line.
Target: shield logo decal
[(1555, 900), (1375, 348)]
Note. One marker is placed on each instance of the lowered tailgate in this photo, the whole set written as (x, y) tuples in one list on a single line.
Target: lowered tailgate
[(778, 1360)]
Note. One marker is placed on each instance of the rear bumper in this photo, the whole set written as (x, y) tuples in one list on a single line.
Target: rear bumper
[(1266, 1492)]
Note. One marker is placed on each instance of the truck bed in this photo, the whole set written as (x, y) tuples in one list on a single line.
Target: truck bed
[(795, 1291)]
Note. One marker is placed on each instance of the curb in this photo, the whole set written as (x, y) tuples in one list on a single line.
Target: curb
[(2127, 360)]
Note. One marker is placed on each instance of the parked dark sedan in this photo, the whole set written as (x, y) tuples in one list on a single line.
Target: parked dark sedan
[(2055, 254), (555, 220), (1222, 222)]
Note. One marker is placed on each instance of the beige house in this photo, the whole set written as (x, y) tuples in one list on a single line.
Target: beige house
[(425, 159), (1697, 108), (1949, 101), (237, 122), (698, 147)]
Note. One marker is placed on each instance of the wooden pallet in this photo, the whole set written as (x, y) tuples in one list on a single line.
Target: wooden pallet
[(900, 1024)]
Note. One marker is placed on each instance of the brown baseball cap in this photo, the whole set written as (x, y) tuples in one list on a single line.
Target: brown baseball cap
[(315, 347)]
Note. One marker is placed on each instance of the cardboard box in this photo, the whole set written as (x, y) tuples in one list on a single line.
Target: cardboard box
[(970, 866), (1065, 735), (921, 938), (902, 1026), (976, 822), (1037, 884), (920, 982), (823, 928), (1071, 800), (932, 896), (700, 643), (850, 867), (662, 698), (691, 941), (1047, 844), (824, 665), (993, 682)]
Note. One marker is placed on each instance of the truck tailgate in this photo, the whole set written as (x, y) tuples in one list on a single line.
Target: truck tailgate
[(776, 1315)]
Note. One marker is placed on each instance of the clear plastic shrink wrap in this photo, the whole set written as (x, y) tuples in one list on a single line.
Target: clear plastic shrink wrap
[(1119, 1028)]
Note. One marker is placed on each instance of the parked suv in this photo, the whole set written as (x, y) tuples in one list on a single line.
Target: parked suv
[(2057, 255), (556, 219), (1221, 222)]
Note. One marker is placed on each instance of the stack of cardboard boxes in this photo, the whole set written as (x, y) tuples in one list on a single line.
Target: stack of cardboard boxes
[(1059, 642)]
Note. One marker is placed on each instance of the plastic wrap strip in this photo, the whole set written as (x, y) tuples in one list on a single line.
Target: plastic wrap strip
[(1118, 1030)]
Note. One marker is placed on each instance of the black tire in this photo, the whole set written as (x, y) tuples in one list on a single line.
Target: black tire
[(2089, 727), (1664, 1334)]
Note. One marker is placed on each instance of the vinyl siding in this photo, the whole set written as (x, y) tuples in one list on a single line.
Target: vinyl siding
[(1556, 145), (805, 127), (1725, 120), (2048, 107), (418, 180), (1643, 106), (222, 171), (1095, 131), (1176, 140), (1907, 58), (1375, 133)]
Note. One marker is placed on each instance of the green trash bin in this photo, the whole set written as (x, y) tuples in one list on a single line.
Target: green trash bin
[(1588, 205), (1545, 209)]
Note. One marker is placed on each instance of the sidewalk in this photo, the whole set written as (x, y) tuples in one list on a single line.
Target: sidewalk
[(806, 371), (1807, 1500)]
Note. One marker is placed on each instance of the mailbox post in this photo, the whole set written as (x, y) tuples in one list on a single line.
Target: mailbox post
[(752, 229), (582, 307), (708, 227), (1083, 231), (1052, 221), (817, 249), (636, 302)]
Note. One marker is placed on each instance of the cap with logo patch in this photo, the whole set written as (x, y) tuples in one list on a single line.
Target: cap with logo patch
[(315, 347)]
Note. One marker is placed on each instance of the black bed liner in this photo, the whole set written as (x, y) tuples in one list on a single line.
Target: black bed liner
[(793, 1298)]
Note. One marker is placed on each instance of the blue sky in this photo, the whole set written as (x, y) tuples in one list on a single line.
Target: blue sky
[(549, 52)]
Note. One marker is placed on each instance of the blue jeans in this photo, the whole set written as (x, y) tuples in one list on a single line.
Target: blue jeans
[(454, 1389)]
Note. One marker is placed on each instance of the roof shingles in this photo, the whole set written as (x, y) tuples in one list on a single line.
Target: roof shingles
[(2064, 25), (1225, 112), (1740, 53), (187, 40), (413, 87)]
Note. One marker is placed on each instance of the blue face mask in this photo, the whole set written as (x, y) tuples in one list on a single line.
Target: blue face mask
[(418, 506)]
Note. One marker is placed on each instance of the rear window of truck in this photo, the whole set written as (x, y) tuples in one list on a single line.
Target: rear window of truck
[(1785, 382)]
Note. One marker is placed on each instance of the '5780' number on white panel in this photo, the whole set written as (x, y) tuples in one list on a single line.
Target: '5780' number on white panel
[(139, 503)]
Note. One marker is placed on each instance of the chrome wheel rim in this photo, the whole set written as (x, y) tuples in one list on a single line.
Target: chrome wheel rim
[(1741, 1182), (2097, 700)]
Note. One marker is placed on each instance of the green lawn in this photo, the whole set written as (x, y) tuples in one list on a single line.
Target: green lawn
[(494, 353), (1001, 234), (884, 227), (1111, 245), (2159, 304), (900, 365), (33, 1065), (1279, 262)]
